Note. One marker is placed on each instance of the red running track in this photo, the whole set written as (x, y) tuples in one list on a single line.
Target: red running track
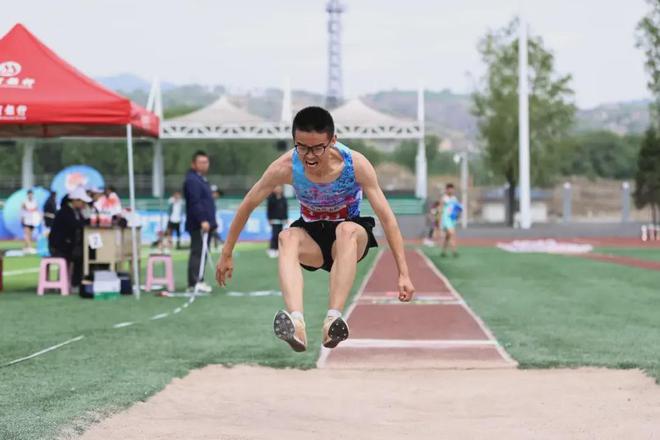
[(436, 330)]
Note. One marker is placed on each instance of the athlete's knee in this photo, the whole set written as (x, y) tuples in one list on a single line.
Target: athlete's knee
[(288, 237), (347, 232)]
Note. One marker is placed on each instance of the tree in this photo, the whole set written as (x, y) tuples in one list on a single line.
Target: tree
[(599, 154), (495, 105), (406, 152), (647, 179), (648, 39)]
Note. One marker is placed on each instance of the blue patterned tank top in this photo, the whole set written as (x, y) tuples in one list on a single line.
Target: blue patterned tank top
[(334, 201)]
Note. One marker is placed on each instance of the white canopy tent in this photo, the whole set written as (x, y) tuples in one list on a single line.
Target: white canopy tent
[(224, 120)]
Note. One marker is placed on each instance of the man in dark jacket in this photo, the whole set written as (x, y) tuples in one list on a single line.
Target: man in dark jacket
[(200, 216), (278, 214), (65, 239)]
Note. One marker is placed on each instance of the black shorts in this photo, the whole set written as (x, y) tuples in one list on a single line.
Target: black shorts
[(28, 226), (323, 233), (172, 226)]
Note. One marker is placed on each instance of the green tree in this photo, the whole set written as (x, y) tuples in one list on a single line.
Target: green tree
[(599, 154), (647, 179), (406, 153), (495, 104)]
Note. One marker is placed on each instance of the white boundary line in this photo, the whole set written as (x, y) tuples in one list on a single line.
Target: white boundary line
[(507, 358), (325, 352), (11, 273), (417, 343), (45, 350)]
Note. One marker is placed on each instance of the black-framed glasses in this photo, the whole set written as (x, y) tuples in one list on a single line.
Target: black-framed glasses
[(316, 150)]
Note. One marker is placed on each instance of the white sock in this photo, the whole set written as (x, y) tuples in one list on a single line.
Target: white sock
[(333, 313), (297, 315)]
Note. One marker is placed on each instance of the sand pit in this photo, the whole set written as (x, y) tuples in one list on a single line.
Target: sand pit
[(260, 403)]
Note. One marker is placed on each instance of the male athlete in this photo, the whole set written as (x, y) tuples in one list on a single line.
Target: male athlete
[(328, 179)]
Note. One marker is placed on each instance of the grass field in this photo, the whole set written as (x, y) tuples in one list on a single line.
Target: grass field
[(551, 310), (641, 253), (546, 310), (112, 368)]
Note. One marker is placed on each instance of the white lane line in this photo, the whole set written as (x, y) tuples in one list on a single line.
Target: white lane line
[(123, 324), (45, 350), (159, 316), (507, 358), (417, 343), (424, 300), (10, 273), (325, 352), (177, 310)]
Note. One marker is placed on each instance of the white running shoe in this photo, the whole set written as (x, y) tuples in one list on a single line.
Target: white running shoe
[(204, 288)]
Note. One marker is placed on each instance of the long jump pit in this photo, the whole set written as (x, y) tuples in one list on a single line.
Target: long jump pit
[(429, 369)]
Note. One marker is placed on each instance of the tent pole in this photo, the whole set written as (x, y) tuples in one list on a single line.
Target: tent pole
[(131, 188)]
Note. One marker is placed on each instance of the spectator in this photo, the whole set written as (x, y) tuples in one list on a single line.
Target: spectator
[(66, 236), (30, 219), (109, 206), (174, 217), (200, 216), (50, 208), (278, 214)]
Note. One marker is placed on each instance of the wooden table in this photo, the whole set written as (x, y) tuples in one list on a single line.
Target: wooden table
[(116, 249)]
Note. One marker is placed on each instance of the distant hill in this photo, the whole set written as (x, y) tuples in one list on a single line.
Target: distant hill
[(619, 117), (447, 113)]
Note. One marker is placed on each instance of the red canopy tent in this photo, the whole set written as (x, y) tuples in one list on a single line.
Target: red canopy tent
[(42, 95)]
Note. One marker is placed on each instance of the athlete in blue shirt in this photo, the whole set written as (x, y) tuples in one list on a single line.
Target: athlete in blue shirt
[(329, 180)]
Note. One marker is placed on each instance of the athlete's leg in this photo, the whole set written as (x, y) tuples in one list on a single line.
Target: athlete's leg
[(296, 247), (451, 236), (347, 249)]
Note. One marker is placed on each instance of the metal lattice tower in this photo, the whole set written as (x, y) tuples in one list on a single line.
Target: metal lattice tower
[(335, 86)]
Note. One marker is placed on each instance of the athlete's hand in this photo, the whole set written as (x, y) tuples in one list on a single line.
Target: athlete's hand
[(206, 226), (406, 288), (224, 269)]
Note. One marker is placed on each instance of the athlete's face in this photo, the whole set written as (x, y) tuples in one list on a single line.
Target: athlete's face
[(312, 148)]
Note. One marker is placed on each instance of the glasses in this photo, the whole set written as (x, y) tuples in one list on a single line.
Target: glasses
[(316, 150)]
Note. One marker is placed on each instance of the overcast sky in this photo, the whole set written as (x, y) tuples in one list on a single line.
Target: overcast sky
[(386, 43)]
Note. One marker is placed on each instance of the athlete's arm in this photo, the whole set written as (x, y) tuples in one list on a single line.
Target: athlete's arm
[(366, 177), (278, 173)]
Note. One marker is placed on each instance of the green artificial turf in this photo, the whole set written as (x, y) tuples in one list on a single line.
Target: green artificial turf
[(641, 253), (551, 310), (112, 368)]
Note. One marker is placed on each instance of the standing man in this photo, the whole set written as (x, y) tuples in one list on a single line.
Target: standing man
[(200, 216), (278, 214), (330, 234)]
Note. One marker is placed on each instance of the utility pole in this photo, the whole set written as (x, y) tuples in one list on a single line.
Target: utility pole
[(335, 86)]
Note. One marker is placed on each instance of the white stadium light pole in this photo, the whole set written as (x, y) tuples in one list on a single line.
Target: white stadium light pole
[(420, 160), (523, 125), (133, 225)]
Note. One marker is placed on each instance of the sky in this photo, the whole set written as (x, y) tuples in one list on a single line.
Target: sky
[(386, 44)]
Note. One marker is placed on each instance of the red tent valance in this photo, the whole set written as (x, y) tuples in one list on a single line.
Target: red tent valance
[(42, 95)]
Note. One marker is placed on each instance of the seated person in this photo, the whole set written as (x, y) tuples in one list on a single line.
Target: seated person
[(66, 236)]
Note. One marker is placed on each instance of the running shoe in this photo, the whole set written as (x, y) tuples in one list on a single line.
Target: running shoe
[(291, 331), (335, 330)]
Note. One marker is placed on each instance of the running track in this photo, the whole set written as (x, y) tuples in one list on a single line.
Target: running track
[(436, 330)]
